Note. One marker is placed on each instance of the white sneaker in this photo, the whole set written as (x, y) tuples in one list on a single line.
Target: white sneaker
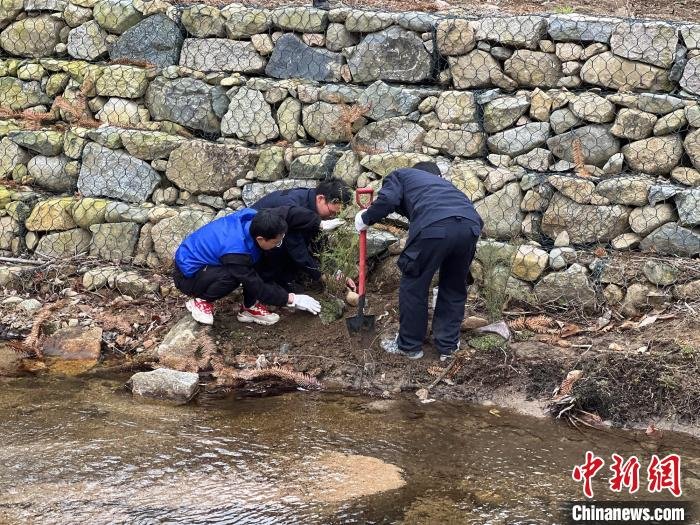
[(258, 313), (202, 311), (445, 357)]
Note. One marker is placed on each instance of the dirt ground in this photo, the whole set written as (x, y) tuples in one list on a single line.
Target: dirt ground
[(688, 10)]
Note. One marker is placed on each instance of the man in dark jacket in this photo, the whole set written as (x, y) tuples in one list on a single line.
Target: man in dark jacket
[(220, 256), (444, 229), (296, 255)]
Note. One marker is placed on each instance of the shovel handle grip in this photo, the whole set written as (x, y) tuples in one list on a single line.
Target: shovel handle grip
[(359, 192)]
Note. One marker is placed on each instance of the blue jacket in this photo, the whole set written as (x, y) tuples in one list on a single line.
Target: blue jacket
[(422, 197), (297, 242), (206, 246)]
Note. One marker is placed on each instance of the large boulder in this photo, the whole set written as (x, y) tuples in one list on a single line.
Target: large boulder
[(393, 134), (168, 233), (249, 117), (51, 215), (646, 219), (475, 69), (688, 206), (455, 37), (221, 54), (187, 101), (116, 16), (87, 41), (570, 287), (203, 167), (122, 81), (630, 190), (583, 222), (164, 383), (673, 239), (656, 155), (597, 144), (17, 95), (32, 37), (515, 31), (501, 212), (651, 42), (246, 22), (393, 54), (533, 68), (329, 122), (385, 101), (157, 40), (50, 173), (108, 173), (292, 58), (614, 72), (114, 242), (64, 244), (457, 143), (465, 177), (203, 20), (516, 141)]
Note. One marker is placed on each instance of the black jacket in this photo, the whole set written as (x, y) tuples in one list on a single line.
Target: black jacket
[(304, 225), (422, 197)]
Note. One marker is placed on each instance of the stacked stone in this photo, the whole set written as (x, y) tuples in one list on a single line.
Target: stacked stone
[(554, 126)]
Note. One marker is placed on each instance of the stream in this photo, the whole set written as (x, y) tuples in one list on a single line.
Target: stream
[(84, 451)]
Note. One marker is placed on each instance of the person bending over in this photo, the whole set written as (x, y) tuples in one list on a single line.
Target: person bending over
[(444, 228), (220, 256), (294, 259)]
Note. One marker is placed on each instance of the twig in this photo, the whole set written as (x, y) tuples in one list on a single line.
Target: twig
[(17, 260), (444, 373)]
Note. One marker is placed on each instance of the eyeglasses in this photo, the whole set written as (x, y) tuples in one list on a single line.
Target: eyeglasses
[(281, 241)]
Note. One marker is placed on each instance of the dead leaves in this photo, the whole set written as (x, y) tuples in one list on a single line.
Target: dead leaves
[(540, 324)]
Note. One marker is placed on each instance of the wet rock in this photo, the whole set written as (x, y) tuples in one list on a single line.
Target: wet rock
[(650, 42), (157, 40), (392, 54), (74, 343), (164, 383), (203, 167), (187, 101), (672, 239), (292, 58), (107, 173)]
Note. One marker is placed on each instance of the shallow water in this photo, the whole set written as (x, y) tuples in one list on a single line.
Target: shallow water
[(76, 451)]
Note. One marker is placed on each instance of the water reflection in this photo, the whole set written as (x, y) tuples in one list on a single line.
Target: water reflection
[(86, 452)]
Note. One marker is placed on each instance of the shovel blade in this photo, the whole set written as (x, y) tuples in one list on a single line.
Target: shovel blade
[(360, 323)]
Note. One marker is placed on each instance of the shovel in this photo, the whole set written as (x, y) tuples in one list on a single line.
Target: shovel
[(362, 323)]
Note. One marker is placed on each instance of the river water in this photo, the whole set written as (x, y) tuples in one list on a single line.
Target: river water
[(85, 451)]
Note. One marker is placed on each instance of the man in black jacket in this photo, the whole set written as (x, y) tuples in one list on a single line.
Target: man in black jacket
[(296, 255), (220, 256), (444, 229)]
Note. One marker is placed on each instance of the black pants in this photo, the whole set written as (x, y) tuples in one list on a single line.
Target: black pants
[(210, 283), (277, 266), (449, 246)]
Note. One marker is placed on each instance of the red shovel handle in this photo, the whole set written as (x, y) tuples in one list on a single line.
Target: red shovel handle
[(363, 236)]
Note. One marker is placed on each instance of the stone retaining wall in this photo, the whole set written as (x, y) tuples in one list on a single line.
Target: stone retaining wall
[(126, 124)]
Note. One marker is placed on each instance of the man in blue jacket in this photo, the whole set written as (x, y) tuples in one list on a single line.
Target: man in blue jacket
[(444, 228), (296, 255), (220, 256)]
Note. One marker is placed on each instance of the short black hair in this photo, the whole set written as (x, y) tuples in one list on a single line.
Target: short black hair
[(430, 167), (335, 190), (267, 224)]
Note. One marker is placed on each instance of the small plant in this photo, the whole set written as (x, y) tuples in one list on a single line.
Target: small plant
[(564, 10), (338, 254), (487, 342)]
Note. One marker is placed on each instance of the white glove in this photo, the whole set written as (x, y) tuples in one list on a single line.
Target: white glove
[(359, 223), (307, 303), (331, 224)]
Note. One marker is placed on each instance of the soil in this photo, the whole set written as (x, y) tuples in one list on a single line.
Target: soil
[(681, 10)]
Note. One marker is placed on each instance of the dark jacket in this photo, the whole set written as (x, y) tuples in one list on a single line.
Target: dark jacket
[(227, 242), (298, 240), (422, 197)]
